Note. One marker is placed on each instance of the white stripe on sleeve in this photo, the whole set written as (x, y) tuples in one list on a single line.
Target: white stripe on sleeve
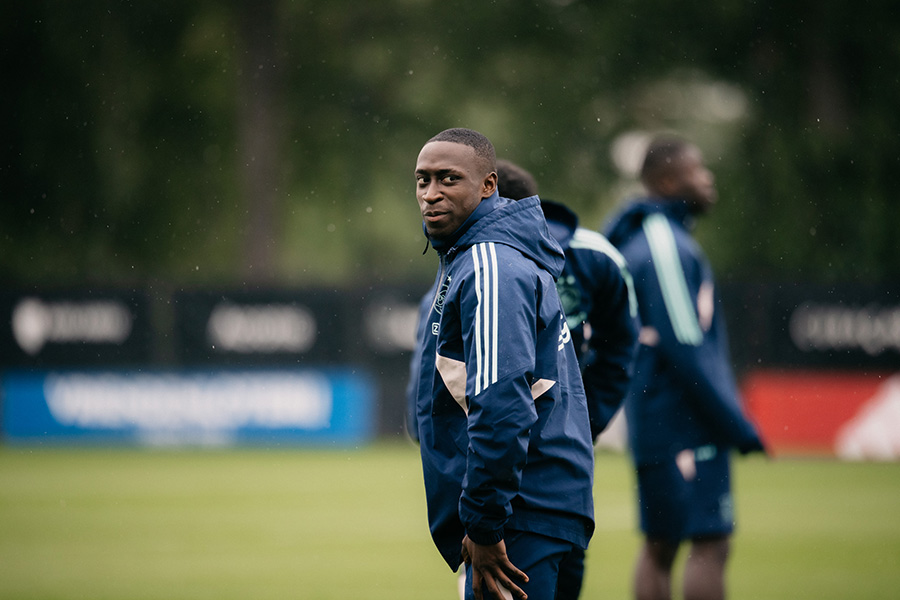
[(477, 264), (672, 280), (484, 258)]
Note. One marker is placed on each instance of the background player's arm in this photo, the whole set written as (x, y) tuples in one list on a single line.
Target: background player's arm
[(607, 366), (670, 310)]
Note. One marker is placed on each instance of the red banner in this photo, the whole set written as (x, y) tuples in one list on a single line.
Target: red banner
[(852, 415)]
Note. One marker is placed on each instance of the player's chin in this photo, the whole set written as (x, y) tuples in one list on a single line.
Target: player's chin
[(436, 233), (440, 226), (706, 203)]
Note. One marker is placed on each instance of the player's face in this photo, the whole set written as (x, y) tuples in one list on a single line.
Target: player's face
[(450, 183), (695, 183)]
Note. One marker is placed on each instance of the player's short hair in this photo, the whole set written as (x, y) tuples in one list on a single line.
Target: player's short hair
[(483, 147), (662, 152), (513, 181)]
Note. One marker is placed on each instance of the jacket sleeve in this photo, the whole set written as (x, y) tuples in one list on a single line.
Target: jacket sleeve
[(672, 290), (499, 323), (607, 366)]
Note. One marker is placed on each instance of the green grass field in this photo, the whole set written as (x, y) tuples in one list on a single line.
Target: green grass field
[(315, 524)]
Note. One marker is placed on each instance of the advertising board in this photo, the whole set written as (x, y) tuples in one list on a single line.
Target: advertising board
[(205, 407)]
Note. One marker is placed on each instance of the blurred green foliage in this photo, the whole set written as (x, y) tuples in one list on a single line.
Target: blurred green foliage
[(273, 142)]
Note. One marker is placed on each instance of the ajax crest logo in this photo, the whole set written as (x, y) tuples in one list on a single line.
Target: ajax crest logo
[(570, 299), (441, 296)]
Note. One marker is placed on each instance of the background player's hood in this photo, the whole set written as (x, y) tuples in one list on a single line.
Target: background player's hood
[(516, 223), (628, 221), (561, 221)]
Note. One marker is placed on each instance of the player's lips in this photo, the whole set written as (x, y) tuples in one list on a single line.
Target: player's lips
[(432, 216)]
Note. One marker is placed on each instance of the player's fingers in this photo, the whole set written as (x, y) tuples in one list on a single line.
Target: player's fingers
[(509, 590), (477, 584), (515, 571), (494, 587)]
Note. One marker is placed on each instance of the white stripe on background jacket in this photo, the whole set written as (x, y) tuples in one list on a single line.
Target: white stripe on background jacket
[(683, 393)]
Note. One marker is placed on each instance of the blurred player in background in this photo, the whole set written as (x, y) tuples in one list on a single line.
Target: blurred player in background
[(501, 416), (683, 410), (597, 296)]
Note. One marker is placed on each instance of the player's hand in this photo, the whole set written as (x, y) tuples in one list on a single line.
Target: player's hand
[(754, 444), (491, 568)]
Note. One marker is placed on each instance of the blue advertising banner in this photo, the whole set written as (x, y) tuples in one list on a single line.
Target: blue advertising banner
[(205, 407)]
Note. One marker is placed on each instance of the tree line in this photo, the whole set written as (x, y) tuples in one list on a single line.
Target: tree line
[(223, 143)]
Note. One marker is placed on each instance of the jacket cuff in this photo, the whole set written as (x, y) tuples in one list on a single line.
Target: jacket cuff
[(486, 538)]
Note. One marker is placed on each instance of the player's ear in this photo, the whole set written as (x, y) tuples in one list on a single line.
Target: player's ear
[(489, 185)]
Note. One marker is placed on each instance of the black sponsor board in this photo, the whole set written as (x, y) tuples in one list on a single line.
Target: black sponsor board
[(62, 328), (793, 325), (262, 327), (386, 318)]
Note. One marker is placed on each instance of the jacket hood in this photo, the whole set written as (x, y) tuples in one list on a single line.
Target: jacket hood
[(561, 221), (516, 223), (629, 220)]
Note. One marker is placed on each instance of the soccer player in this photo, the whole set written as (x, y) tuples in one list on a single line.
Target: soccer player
[(683, 410), (601, 310), (501, 414)]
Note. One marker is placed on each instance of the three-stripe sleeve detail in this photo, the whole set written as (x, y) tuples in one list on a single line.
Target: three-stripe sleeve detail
[(484, 258), (672, 281)]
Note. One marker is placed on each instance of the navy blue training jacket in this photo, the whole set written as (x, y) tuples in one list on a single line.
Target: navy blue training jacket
[(502, 419), (596, 292), (683, 393)]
